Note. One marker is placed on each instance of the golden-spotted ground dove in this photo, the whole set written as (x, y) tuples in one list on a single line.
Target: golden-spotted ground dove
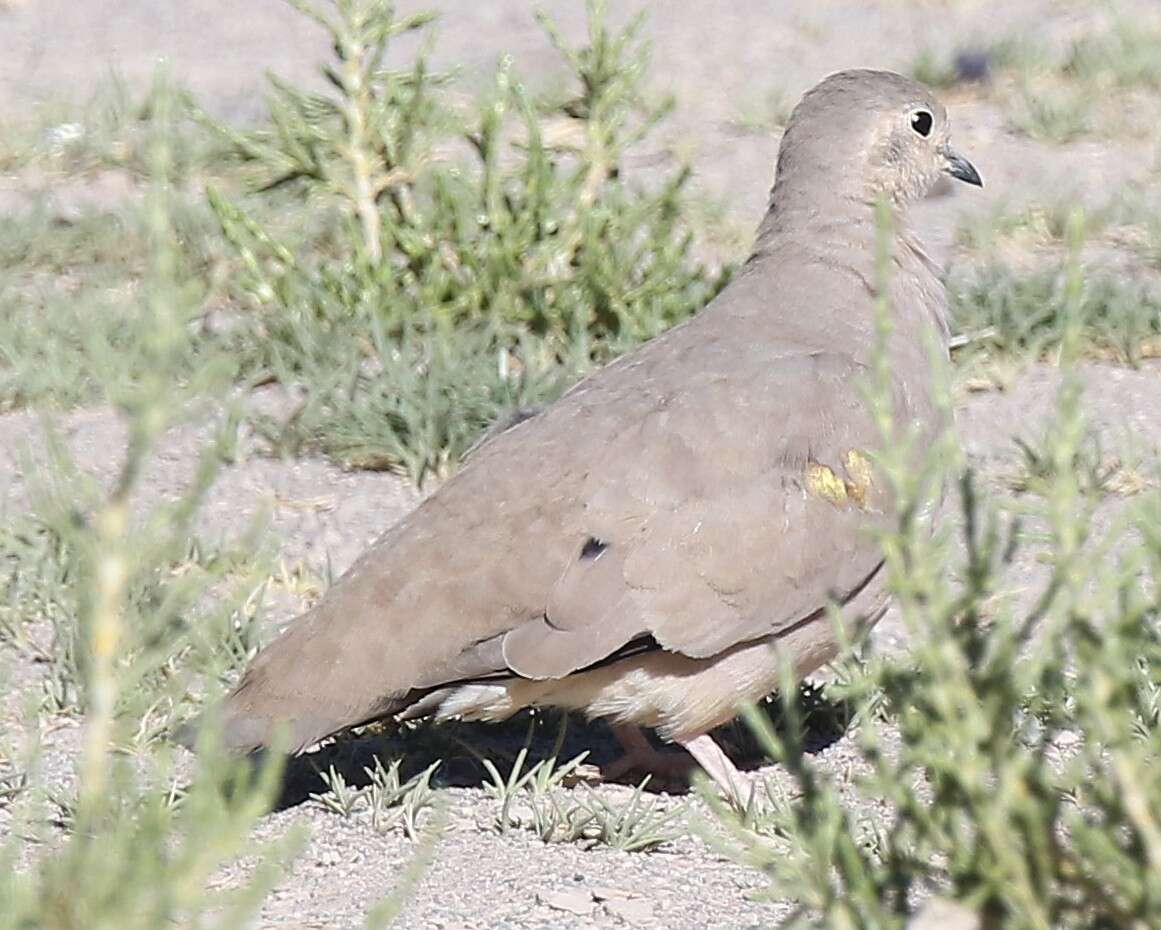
[(649, 548)]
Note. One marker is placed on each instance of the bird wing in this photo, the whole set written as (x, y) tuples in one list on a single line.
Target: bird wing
[(718, 530), (705, 490)]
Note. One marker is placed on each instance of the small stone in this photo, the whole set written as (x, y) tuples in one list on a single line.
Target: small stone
[(608, 893), (328, 857), (583, 774), (574, 901), (631, 910)]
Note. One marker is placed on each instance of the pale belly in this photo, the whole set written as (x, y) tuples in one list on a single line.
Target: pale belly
[(678, 696)]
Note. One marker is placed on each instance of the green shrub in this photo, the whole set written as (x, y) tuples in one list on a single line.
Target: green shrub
[(1011, 759), (1024, 313), (132, 843), (474, 260)]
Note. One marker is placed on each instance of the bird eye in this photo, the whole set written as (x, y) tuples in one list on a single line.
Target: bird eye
[(921, 122)]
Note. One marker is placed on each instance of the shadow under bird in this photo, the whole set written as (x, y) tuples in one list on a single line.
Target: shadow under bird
[(651, 547)]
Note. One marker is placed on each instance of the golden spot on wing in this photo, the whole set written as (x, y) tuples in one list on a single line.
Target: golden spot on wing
[(859, 469), (822, 482)]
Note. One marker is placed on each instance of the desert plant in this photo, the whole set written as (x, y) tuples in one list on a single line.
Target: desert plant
[(1010, 757), (1024, 314), (634, 824), (121, 582), (476, 261), (137, 852)]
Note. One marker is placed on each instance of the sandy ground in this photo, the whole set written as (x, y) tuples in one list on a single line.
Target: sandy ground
[(720, 58)]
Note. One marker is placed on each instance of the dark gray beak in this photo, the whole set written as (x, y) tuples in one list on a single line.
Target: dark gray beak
[(959, 167)]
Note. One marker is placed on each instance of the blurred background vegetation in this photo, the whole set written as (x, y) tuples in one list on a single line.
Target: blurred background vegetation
[(406, 266)]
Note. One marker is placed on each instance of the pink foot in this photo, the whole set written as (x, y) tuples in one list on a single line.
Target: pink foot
[(641, 756), (717, 765), (675, 767)]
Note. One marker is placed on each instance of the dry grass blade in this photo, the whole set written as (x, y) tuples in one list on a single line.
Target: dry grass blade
[(636, 824), (339, 798)]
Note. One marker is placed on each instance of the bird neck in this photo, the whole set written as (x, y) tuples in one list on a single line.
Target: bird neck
[(830, 216), (838, 238)]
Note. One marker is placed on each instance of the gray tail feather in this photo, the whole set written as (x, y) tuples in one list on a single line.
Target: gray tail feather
[(236, 734)]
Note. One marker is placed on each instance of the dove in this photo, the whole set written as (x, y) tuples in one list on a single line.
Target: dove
[(655, 547)]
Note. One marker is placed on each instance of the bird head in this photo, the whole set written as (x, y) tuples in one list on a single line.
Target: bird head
[(868, 135)]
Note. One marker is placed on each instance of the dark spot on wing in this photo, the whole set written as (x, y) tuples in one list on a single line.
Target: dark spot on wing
[(592, 549)]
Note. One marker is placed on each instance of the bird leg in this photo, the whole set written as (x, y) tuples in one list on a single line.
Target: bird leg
[(717, 765), (642, 755)]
